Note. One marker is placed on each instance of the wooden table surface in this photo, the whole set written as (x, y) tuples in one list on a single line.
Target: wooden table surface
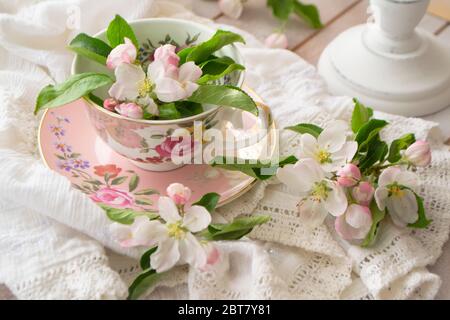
[(337, 16)]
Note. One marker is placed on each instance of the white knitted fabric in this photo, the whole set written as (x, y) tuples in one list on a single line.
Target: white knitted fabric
[(44, 250)]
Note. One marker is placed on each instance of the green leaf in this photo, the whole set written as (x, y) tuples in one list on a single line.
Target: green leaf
[(376, 152), (209, 201), (125, 216), (91, 48), (145, 258), (72, 89), (169, 111), (118, 30), (309, 13), (234, 230), (422, 222), (398, 145), (143, 202), (220, 39), (183, 54), (258, 170), (95, 99), (142, 283), (366, 129), (281, 8), (134, 182), (226, 96), (188, 109), (118, 180), (217, 68), (361, 115), (146, 192), (377, 216), (303, 128)]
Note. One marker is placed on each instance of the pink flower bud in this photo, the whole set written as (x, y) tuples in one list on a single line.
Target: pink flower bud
[(277, 40), (167, 55), (110, 104), (363, 193), (123, 53), (419, 153), (231, 8), (349, 175), (179, 193), (130, 110)]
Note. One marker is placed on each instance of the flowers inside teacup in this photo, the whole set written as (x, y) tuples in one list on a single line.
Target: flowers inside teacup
[(147, 80)]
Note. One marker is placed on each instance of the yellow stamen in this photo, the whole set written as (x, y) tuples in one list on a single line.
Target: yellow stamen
[(396, 191), (145, 87), (323, 156), (176, 230), (319, 191)]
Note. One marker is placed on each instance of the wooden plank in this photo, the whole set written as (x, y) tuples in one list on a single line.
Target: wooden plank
[(311, 50), (444, 34), (258, 20), (432, 23), (206, 8)]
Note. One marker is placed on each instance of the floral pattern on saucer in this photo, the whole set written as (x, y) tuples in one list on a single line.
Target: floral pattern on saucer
[(107, 184)]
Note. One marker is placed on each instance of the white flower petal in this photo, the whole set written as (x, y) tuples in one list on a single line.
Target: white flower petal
[(166, 256), (301, 176), (408, 179), (190, 88), (156, 70), (120, 232), (192, 252), (312, 213), (345, 154), (196, 218), (358, 216), (404, 207), (336, 202), (189, 71), (169, 90), (168, 210), (308, 147), (332, 138), (381, 195), (149, 233), (128, 78), (388, 176)]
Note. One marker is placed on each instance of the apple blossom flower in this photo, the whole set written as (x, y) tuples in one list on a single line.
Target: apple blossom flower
[(394, 193), (167, 55), (363, 193), (123, 53), (132, 82), (348, 175), (171, 87), (320, 195), (179, 193), (418, 154), (277, 40), (331, 149), (355, 223), (231, 8), (130, 110), (110, 104)]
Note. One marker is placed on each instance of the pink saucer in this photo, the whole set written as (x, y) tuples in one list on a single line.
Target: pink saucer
[(70, 146)]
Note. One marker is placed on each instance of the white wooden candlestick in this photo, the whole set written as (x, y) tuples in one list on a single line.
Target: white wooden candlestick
[(390, 65)]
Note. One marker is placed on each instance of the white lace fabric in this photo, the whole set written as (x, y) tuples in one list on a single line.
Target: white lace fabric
[(51, 236)]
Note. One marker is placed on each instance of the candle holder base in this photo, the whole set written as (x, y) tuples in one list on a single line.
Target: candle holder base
[(411, 84)]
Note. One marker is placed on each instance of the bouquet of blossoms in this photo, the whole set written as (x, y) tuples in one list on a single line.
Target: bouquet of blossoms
[(352, 175), (176, 234), (152, 82)]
